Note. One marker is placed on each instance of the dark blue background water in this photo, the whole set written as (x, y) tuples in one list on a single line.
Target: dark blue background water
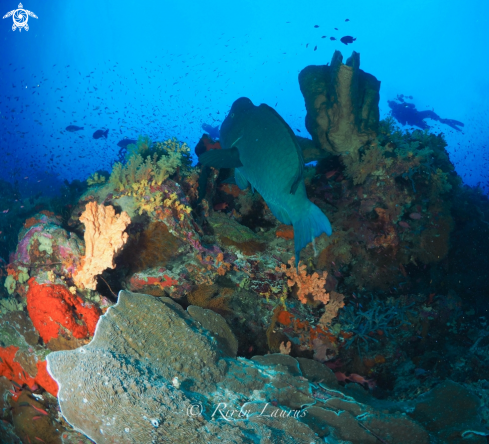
[(164, 68)]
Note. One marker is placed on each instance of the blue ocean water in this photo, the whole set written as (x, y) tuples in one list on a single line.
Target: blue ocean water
[(384, 319), (164, 69)]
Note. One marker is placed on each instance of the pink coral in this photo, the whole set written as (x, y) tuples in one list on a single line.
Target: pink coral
[(313, 284), (104, 238)]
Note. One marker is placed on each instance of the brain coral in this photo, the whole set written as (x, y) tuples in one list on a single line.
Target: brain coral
[(119, 387)]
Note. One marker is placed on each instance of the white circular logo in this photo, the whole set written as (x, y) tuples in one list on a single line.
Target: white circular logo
[(20, 17)]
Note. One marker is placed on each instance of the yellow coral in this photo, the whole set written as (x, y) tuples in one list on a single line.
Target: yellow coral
[(95, 179), (161, 160), (140, 174)]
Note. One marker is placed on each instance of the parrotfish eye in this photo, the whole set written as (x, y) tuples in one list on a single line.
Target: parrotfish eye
[(232, 115)]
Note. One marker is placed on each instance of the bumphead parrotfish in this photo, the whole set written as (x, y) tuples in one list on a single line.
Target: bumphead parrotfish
[(265, 153)]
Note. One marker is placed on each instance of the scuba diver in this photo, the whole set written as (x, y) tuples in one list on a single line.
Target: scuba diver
[(407, 114)]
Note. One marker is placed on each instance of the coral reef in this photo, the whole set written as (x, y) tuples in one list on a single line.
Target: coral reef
[(372, 320)]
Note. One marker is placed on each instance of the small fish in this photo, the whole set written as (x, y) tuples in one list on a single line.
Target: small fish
[(5, 211), (35, 418), (73, 128), (332, 38), (220, 206), (404, 224), (316, 26), (315, 48), (415, 216), (125, 142), (330, 174), (347, 39), (100, 133), (347, 20), (324, 36)]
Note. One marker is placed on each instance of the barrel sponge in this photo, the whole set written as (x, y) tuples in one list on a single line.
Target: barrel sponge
[(104, 238)]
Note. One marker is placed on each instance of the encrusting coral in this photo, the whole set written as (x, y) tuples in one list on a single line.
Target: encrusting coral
[(52, 308), (104, 238), (12, 369)]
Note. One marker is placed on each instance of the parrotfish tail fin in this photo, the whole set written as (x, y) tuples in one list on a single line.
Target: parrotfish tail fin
[(106, 133), (311, 224)]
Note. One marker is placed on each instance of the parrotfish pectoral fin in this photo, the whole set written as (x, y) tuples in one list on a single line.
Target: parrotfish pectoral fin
[(311, 224), (231, 180), (280, 214), (241, 181), (221, 158)]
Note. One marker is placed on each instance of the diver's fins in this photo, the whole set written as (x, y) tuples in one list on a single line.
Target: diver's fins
[(228, 158), (312, 223)]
